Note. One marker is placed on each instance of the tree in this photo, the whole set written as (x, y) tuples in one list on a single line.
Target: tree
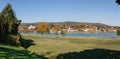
[(9, 26), (43, 27), (56, 28), (118, 1), (63, 32), (118, 32), (0, 24), (9, 20)]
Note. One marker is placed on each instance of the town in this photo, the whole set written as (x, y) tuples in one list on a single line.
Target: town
[(70, 27)]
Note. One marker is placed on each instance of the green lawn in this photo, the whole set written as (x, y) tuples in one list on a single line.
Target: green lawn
[(53, 46)]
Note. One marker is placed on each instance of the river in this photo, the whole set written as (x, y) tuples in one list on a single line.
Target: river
[(82, 34)]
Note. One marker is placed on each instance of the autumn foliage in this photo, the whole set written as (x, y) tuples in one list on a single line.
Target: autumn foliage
[(56, 28), (43, 27)]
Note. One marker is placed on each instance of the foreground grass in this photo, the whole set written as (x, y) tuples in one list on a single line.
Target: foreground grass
[(53, 46), (10, 52)]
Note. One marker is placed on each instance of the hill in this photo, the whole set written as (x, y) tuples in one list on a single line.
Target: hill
[(68, 23)]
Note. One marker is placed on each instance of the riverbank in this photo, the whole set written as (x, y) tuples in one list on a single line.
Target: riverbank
[(51, 46)]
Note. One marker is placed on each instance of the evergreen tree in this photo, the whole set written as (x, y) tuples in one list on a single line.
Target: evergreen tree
[(9, 26), (2, 25), (10, 21)]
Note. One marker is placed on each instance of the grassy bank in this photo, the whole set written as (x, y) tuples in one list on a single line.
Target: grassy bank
[(53, 46), (10, 52)]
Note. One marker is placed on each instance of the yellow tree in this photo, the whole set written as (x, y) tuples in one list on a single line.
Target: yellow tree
[(43, 27), (56, 28)]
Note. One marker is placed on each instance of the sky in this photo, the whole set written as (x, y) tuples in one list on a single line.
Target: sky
[(94, 11)]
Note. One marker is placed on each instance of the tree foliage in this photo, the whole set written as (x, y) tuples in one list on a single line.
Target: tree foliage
[(118, 32), (56, 28), (9, 20), (63, 32), (118, 1), (9, 26), (43, 27)]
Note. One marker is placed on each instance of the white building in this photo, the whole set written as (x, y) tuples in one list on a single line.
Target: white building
[(71, 30), (31, 27)]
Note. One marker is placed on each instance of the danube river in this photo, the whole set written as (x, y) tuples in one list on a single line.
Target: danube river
[(81, 34)]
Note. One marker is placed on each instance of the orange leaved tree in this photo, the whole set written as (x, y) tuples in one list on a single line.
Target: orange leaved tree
[(56, 28), (43, 27)]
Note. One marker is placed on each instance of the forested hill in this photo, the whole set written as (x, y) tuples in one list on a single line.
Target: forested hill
[(66, 24)]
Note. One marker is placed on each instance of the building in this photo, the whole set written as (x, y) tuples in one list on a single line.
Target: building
[(31, 27)]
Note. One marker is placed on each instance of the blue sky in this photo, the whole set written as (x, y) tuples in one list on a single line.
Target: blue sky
[(95, 11)]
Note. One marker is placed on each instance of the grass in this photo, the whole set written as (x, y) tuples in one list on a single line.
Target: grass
[(53, 46), (10, 52)]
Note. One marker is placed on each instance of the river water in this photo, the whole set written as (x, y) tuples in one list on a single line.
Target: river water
[(82, 34)]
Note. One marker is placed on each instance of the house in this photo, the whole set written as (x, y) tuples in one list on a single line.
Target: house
[(71, 30), (31, 27)]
